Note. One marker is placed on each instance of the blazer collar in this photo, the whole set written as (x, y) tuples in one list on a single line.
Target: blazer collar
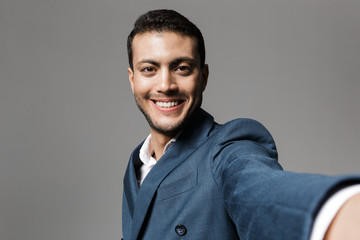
[(191, 138), (130, 181)]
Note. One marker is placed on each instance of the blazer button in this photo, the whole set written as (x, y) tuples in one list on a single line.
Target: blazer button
[(180, 230)]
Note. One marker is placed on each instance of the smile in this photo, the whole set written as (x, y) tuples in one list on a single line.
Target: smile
[(167, 104)]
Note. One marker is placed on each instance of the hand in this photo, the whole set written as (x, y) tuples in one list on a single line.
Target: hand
[(346, 224)]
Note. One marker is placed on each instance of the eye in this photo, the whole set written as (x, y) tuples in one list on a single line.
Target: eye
[(147, 69), (184, 69)]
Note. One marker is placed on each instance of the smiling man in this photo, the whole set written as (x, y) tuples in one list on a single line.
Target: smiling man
[(192, 178)]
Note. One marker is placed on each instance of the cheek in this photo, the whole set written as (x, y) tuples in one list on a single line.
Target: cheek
[(196, 90), (141, 86), (192, 86)]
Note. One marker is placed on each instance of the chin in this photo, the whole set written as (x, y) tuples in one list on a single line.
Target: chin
[(171, 128), (168, 129)]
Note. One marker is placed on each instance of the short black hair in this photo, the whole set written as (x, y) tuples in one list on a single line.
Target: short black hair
[(166, 20)]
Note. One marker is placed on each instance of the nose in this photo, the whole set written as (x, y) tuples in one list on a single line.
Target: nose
[(167, 82)]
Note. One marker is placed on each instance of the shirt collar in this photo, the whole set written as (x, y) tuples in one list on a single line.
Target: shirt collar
[(146, 153)]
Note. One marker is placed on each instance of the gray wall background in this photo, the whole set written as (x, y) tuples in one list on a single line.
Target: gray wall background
[(68, 121)]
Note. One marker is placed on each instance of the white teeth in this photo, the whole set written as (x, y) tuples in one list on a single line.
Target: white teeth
[(167, 104)]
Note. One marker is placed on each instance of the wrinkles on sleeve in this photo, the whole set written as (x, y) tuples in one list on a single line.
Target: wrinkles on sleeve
[(245, 142), (246, 170)]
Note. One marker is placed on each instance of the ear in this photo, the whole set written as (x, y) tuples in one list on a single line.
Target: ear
[(131, 78), (204, 75)]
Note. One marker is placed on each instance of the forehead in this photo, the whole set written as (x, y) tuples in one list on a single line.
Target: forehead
[(163, 45)]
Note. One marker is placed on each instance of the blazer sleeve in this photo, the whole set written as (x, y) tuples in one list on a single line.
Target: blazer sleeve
[(263, 201)]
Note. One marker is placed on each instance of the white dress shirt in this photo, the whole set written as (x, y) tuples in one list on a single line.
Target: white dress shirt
[(146, 156)]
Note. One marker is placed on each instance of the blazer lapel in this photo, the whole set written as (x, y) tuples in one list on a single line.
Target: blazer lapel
[(130, 182), (192, 137)]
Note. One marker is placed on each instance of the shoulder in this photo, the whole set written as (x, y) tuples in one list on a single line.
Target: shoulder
[(245, 124), (243, 137), (244, 129)]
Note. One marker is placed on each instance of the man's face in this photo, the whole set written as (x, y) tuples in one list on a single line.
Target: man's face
[(167, 80)]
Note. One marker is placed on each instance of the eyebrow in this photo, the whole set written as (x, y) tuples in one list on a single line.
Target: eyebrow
[(152, 62), (173, 63)]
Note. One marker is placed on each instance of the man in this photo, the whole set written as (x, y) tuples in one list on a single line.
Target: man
[(195, 179)]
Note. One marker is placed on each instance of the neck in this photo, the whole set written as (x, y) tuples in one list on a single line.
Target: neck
[(158, 142)]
